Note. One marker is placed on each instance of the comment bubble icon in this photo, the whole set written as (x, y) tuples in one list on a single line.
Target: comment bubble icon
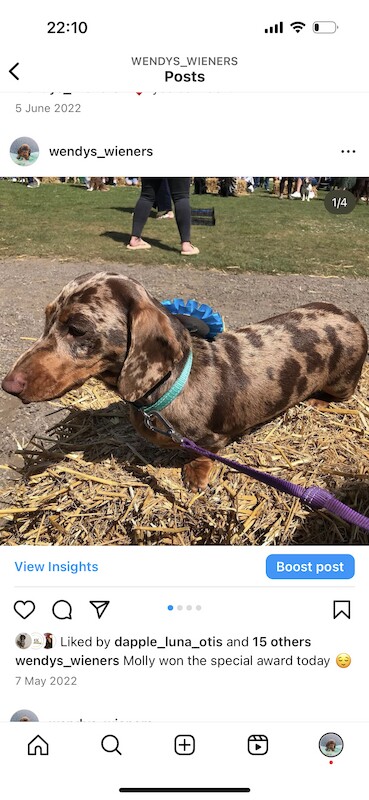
[(62, 609)]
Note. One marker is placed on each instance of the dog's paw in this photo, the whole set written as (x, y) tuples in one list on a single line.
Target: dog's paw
[(196, 474), (316, 402)]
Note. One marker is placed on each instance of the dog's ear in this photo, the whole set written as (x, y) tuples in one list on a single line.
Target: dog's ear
[(50, 308), (50, 314), (154, 349)]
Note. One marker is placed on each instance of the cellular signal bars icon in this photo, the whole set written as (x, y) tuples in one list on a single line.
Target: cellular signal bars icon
[(277, 28)]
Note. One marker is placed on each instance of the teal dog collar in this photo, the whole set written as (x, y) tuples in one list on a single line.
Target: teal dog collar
[(173, 392)]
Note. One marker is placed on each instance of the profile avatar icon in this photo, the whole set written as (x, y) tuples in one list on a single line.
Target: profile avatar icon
[(24, 151), (331, 745), (23, 640), (24, 715)]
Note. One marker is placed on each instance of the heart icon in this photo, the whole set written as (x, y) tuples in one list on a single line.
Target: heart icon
[(138, 93), (24, 609)]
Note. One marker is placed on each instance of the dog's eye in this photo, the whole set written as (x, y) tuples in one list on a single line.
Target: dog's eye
[(74, 331)]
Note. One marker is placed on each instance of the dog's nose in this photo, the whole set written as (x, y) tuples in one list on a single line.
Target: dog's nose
[(14, 383)]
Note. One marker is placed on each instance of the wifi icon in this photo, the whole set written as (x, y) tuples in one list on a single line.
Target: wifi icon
[(297, 26)]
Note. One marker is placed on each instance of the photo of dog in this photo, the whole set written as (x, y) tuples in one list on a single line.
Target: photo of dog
[(24, 715), (24, 151), (256, 360), (108, 326), (306, 189), (329, 746), (97, 184)]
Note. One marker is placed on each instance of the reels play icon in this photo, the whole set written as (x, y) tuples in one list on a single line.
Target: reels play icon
[(257, 744)]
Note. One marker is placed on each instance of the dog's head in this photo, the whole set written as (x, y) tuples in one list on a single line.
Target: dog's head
[(100, 325), (24, 151)]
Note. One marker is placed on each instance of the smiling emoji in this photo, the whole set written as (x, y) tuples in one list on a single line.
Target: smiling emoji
[(343, 660)]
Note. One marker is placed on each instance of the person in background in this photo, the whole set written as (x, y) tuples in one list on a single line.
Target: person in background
[(282, 185), (180, 192), (199, 185), (227, 187), (298, 184), (33, 183)]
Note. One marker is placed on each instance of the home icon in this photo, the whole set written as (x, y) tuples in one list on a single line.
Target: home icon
[(38, 747)]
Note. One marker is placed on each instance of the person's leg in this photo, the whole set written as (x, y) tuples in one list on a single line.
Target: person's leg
[(199, 185), (163, 200), (180, 191), (33, 183), (297, 191), (281, 186), (142, 211)]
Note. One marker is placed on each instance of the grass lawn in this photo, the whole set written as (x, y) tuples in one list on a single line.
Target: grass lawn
[(257, 233)]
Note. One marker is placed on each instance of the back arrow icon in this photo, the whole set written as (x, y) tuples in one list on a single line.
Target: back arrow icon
[(12, 73)]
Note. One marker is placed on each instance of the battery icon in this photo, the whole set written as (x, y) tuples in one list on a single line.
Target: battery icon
[(324, 27)]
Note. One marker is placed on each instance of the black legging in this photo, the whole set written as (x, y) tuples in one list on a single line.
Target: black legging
[(180, 191), (289, 185)]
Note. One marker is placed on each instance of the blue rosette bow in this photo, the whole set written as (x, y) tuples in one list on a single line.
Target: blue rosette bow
[(200, 319)]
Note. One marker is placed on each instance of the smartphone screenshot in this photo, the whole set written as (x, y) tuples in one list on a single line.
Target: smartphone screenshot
[(184, 412)]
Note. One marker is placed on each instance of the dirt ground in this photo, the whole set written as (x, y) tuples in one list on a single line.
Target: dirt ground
[(26, 286)]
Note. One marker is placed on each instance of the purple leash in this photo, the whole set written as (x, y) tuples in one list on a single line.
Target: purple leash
[(314, 497)]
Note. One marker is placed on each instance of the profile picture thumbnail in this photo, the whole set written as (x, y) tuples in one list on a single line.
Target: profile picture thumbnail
[(23, 640), (24, 715), (24, 151), (331, 745), (38, 641)]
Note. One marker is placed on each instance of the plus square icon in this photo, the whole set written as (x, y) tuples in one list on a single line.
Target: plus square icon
[(184, 745)]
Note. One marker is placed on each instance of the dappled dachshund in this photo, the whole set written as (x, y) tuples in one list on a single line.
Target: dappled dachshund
[(24, 151), (108, 326)]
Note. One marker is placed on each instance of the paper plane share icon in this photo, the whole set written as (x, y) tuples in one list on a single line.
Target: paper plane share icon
[(100, 606)]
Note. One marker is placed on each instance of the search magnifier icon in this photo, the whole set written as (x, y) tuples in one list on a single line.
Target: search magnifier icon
[(110, 744)]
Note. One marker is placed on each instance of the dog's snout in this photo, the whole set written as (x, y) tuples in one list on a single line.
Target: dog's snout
[(14, 383)]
